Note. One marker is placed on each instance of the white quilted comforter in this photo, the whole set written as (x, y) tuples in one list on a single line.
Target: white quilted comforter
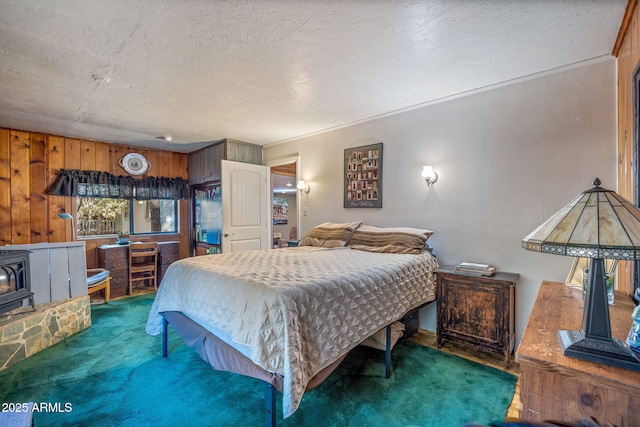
[(293, 311)]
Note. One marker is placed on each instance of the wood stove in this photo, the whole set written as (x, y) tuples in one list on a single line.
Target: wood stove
[(15, 285)]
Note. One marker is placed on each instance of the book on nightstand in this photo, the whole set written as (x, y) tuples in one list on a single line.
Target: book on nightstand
[(475, 269)]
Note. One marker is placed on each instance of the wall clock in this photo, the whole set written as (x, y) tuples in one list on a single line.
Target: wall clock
[(134, 164)]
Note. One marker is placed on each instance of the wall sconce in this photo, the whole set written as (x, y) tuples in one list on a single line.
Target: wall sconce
[(429, 175), (303, 187), (66, 216)]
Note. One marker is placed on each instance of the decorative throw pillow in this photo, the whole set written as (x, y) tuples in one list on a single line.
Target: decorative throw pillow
[(329, 234), (398, 240)]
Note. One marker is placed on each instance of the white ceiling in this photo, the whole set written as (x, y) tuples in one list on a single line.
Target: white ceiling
[(264, 71)]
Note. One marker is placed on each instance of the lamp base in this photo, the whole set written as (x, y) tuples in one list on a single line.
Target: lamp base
[(608, 352)]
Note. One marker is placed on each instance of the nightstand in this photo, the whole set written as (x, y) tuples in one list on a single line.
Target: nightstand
[(477, 310)]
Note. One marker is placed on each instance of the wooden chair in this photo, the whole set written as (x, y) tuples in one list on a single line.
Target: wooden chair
[(143, 264), (98, 279)]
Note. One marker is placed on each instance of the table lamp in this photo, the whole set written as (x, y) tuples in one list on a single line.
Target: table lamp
[(597, 224)]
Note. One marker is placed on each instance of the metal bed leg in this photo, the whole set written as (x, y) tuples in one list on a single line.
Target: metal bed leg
[(387, 356), (165, 335), (270, 409)]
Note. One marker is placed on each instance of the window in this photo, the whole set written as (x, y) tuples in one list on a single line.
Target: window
[(109, 204), (100, 216), (154, 216)]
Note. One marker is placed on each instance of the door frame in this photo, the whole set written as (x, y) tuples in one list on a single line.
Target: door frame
[(294, 158), (635, 166)]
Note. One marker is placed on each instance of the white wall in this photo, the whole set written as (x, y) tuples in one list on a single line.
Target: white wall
[(507, 159)]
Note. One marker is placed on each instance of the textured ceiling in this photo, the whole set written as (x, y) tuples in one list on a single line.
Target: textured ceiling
[(264, 71)]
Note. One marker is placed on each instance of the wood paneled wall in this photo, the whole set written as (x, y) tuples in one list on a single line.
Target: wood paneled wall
[(627, 50), (30, 162)]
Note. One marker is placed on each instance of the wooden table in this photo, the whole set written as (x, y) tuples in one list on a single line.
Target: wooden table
[(557, 387)]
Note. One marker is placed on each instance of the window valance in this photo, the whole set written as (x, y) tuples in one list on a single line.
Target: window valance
[(79, 183)]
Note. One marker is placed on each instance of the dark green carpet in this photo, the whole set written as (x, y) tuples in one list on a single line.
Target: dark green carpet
[(113, 374)]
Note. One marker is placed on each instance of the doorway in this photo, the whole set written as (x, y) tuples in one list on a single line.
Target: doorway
[(284, 218)]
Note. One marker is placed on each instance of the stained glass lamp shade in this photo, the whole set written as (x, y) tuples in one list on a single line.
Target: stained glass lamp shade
[(597, 224)]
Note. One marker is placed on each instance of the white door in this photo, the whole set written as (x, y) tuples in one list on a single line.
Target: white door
[(245, 206)]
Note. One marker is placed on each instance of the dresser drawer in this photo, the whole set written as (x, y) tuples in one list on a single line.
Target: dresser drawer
[(168, 259), (119, 289), (168, 248), (119, 276), (116, 264), (114, 253)]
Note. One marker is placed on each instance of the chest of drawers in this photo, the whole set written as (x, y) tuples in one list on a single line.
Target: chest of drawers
[(115, 258), (168, 253)]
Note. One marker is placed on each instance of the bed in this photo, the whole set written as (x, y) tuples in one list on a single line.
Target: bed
[(289, 316)]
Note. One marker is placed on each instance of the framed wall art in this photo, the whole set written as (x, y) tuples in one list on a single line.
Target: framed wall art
[(363, 176)]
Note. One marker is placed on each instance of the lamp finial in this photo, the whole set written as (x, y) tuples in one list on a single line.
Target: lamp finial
[(596, 182)]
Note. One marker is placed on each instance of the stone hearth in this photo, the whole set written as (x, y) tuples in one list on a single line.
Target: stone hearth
[(24, 332)]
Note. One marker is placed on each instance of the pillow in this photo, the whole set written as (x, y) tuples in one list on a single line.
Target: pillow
[(329, 234), (100, 276), (397, 240)]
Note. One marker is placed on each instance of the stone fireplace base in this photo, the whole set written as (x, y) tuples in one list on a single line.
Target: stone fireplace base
[(24, 332)]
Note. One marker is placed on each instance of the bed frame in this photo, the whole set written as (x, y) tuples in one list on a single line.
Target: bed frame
[(223, 357)]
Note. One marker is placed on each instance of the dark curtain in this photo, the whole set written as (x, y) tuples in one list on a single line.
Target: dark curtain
[(78, 183), (160, 188)]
